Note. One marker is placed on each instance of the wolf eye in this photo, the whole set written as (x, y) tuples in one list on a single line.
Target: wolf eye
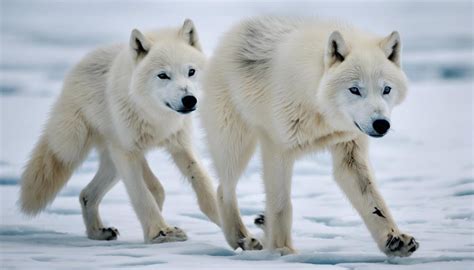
[(355, 90), (386, 90), (191, 72), (163, 76)]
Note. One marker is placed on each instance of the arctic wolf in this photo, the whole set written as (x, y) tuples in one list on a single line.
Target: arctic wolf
[(124, 100), (297, 86)]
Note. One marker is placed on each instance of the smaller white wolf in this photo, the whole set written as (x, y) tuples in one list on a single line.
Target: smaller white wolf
[(297, 86), (124, 100)]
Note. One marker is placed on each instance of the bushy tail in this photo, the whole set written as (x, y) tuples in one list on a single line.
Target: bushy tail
[(42, 179), (47, 170)]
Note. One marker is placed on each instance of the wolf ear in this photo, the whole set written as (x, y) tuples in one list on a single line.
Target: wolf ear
[(139, 44), (189, 34), (336, 50), (392, 47)]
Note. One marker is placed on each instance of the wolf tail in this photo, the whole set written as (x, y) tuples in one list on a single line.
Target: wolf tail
[(58, 152)]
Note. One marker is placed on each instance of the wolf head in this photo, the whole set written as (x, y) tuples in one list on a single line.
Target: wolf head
[(362, 81), (167, 65)]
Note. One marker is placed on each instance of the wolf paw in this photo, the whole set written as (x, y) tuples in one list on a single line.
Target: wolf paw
[(401, 245), (170, 234), (108, 234), (249, 243)]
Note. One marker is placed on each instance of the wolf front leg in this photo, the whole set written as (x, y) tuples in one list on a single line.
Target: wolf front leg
[(130, 167), (353, 174), (183, 155), (277, 170)]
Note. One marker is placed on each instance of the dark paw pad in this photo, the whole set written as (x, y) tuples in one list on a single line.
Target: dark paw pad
[(111, 233), (394, 243), (401, 245), (249, 244), (413, 245)]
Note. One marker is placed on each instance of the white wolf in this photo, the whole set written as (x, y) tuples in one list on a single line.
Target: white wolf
[(124, 100), (296, 86)]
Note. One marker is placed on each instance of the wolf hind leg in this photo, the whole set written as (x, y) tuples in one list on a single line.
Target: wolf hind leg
[(153, 184), (91, 196)]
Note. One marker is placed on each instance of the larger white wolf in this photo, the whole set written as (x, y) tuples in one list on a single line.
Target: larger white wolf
[(297, 86), (124, 100)]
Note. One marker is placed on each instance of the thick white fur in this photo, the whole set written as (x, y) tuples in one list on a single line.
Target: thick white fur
[(114, 101), (283, 83)]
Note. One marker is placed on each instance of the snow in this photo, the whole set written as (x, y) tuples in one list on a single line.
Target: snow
[(424, 168)]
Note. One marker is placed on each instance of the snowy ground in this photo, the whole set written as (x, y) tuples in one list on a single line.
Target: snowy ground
[(424, 168)]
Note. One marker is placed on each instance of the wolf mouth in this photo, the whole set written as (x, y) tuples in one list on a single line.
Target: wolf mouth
[(182, 111), (375, 135), (186, 111)]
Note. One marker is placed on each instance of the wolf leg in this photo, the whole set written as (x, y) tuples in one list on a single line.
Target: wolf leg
[(92, 195), (230, 163), (153, 184), (182, 152), (231, 145), (353, 174), (130, 167), (235, 150), (277, 170)]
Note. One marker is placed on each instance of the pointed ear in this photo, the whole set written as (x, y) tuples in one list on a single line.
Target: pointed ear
[(392, 47), (336, 50), (189, 34), (139, 44)]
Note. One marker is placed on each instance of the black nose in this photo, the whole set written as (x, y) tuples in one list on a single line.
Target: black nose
[(381, 126), (189, 102)]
